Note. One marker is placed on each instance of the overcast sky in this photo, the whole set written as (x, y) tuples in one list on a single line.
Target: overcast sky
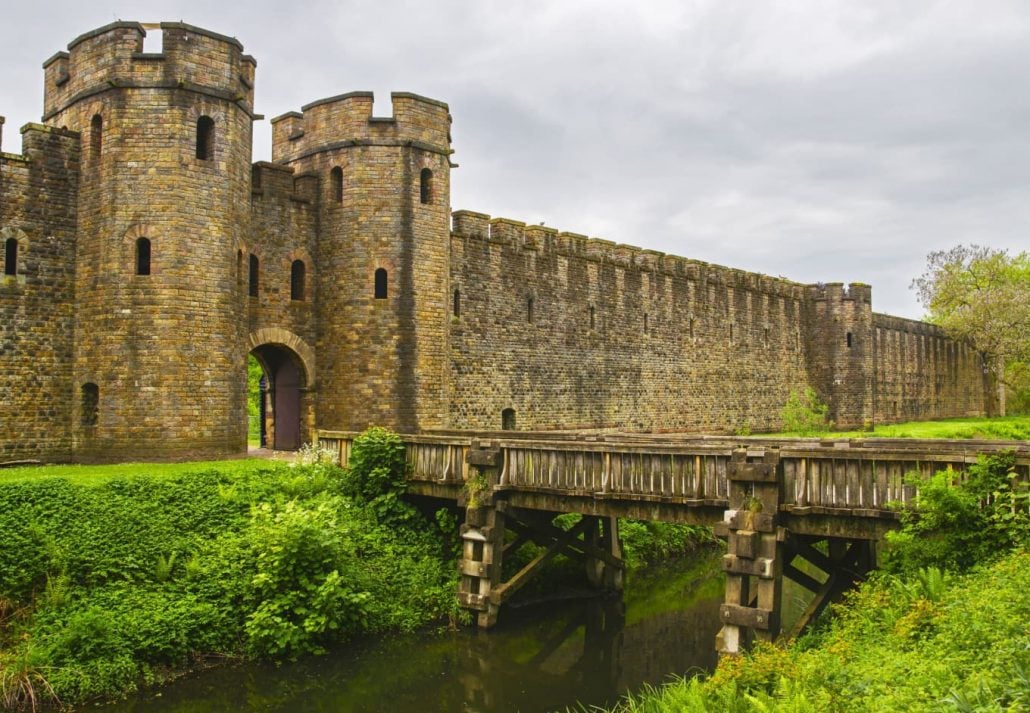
[(822, 141)]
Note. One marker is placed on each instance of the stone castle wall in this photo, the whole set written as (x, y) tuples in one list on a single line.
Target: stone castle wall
[(37, 211), (381, 359), (920, 373), (476, 317), (618, 337)]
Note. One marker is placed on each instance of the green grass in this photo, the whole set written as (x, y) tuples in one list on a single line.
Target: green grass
[(1008, 428), (100, 474), (962, 645)]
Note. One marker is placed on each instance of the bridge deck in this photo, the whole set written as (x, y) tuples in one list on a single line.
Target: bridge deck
[(829, 487)]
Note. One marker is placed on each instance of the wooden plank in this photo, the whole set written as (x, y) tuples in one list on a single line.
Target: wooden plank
[(760, 567), (753, 617), (751, 472)]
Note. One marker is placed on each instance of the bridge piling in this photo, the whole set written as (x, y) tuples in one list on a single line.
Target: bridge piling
[(754, 549), (482, 537)]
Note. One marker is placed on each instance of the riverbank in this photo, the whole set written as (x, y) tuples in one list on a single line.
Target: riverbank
[(112, 582), (116, 578), (942, 627), (957, 643)]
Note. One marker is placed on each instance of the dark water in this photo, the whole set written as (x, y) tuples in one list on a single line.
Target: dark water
[(541, 657)]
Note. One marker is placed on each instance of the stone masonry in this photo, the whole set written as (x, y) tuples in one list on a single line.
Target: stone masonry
[(146, 257)]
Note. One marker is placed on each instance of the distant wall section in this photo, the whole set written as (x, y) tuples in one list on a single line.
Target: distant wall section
[(919, 373)]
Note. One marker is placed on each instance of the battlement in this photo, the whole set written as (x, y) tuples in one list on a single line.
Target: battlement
[(346, 120), (857, 292), (273, 182), (518, 236), (903, 324), (112, 57), (42, 143)]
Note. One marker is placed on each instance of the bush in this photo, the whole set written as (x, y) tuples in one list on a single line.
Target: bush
[(376, 475), (960, 522), (805, 414), (891, 648), (298, 598)]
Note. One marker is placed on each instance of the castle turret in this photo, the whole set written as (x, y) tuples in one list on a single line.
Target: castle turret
[(840, 349), (163, 203), (383, 255)]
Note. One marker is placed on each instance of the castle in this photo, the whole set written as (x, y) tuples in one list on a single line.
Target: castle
[(145, 257)]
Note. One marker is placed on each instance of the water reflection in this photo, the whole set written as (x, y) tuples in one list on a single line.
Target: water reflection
[(539, 658)]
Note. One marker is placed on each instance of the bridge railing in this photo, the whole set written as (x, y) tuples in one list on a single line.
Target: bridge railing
[(862, 476)]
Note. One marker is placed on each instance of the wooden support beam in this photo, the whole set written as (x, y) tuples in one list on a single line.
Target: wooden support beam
[(806, 581), (500, 593), (552, 533), (755, 549), (849, 562)]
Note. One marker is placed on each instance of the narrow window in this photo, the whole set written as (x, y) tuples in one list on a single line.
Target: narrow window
[(529, 310), (457, 303), (90, 404), (508, 419), (691, 327), (143, 256), (765, 336), (254, 268), (645, 323), (380, 284), (731, 331), (239, 267), (11, 256), (849, 340), (593, 317), (426, 186), (297, 280), (205, 138), (336, 184), (96, 136)]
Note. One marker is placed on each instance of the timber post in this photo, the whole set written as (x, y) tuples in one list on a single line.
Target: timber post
[(754, 550), (603, 534), (482, 535)]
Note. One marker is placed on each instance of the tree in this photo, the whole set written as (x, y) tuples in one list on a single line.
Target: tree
[(982, 295)]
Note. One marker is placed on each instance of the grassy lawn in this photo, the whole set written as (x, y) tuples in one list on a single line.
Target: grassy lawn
[(100, 474), (1010, 428)]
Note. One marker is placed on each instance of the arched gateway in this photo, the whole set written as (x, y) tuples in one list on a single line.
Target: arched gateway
[(288, 365)]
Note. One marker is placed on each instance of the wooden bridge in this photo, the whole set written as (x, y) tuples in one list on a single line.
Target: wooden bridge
[(777, 502)]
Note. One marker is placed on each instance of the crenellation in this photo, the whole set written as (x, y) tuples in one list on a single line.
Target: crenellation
[(507, 231), (540, 237), (470, 224)]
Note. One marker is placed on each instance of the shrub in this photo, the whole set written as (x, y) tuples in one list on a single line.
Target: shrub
[(298, 598), (376, 466), (805, 414), (960, 522)]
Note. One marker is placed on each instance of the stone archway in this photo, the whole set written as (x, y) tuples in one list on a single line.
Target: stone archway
[(286, 409)]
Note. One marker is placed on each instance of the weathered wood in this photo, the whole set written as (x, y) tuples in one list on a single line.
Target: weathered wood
[(753, 472), (806, 581), (502, 592), (758, 567), (751, 617)]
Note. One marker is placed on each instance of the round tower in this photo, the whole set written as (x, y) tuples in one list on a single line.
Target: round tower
[(383, 256), (163, 207)]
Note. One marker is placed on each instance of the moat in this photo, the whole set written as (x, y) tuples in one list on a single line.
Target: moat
[(541, 657)]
